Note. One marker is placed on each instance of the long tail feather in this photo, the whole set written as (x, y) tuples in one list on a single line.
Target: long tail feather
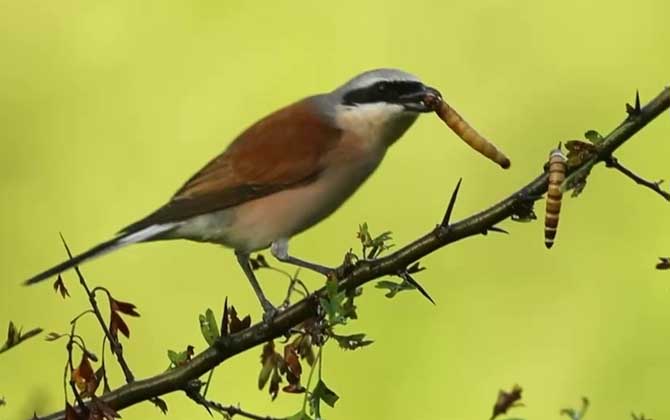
[(102, 249)]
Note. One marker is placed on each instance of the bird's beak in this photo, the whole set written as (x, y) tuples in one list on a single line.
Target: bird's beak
[(421, 101)]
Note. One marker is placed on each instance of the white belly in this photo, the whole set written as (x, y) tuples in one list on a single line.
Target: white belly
[(254, 225)]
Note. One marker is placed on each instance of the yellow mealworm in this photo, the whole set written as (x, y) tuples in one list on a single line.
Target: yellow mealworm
[(557, 168), (467, 133)]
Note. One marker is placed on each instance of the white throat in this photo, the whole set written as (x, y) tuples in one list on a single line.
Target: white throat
[(379, 124)]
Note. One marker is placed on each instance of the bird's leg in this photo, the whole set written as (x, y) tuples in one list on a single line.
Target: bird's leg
[(269, 311), (279, 250)]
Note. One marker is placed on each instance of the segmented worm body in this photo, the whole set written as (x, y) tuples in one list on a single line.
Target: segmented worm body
[(557, 168), (468, 134)]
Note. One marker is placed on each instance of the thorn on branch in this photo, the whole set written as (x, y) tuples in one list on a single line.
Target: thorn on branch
[(409, 279), (494, 229), (635, 111), (613, 162), (450, 207)]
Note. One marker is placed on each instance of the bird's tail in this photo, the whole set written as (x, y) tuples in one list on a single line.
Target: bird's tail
[(104, 248)]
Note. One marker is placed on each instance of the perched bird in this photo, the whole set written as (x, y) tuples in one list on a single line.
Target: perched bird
[(282, 175)]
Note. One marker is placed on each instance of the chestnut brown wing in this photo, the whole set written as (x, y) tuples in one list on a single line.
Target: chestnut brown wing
[(280, 151)]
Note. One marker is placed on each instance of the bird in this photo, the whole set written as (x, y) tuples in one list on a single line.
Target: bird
[(283, 174)]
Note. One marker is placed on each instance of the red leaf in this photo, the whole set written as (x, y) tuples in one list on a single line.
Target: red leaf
[(292, 361), (123, 307), (59, 286), (116, 324), (84, 377), (237, 325), (294, 389)]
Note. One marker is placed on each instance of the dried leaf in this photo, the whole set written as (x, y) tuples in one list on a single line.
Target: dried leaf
[(294, 388), (292, 361), (663, 264), (237, 325), (123, 307), (506, 400), (59, 287), (579, 152), (116, 324), (84, 377)]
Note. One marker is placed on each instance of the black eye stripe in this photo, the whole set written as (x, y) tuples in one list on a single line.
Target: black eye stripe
[(382, 91)]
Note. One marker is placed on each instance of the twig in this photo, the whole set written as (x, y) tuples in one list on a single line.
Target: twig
[(70, 364), (613, 162), (363, 272), (114, 344), (192, 390)]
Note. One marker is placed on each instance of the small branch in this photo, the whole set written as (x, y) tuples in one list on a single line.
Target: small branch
[(365, 271), (114, 344), (613, 162), (70, 364), (192, 390)]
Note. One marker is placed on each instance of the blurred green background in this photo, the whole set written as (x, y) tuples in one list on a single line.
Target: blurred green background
[(107, 107)]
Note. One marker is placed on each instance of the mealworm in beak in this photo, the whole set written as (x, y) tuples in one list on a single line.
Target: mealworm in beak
[(468, 134)]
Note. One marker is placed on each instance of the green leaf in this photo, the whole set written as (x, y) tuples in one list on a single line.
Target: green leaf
[(352, 342), (176, 358), (209, 327), (300, 415), (265, 372), (593, 136), (393, 287), (325, 394), (333, 305)]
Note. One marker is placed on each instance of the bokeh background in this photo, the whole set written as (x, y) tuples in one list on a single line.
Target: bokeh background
[(107, 107)]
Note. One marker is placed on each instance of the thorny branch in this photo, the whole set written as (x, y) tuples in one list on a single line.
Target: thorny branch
[(365, 271), (613, 162)]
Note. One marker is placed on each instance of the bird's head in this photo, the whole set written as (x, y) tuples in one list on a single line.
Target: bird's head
[(380, 103)]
